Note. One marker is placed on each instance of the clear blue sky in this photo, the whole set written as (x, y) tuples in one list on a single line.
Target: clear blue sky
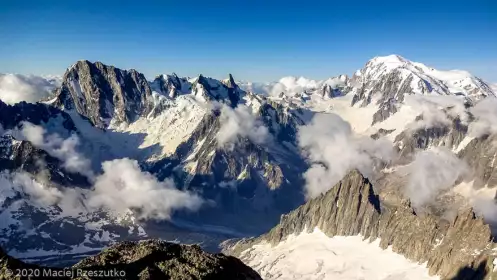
[(254, 40)]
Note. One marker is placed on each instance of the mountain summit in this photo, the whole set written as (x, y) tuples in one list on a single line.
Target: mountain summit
[(103, 93)]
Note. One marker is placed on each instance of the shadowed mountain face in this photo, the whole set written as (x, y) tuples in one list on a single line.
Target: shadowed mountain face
[(150, 259)]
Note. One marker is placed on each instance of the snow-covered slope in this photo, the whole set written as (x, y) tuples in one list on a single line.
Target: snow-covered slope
[(422, 79), (170, 124), (312, 256)]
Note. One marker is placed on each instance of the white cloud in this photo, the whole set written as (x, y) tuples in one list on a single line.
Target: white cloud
[(485, 113), (56, 146), (240, 122), (37, 191), (291, 85), (124, 186), (436, 110), (432, 172), (334, 150), (40, 194), (15, 88), (481, 199)]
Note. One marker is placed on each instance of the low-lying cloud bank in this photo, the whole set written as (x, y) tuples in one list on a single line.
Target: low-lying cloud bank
[(121, 186), (124, 186), (334, 150), (437, 110), (63, 149), (15, 88)]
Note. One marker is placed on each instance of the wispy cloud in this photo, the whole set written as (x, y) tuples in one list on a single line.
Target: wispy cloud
[(124, 186), (240, 122), (436, 110), (16, 88), (432, 172), (334, 150), (485, 114), (63, 149), (121, 187)]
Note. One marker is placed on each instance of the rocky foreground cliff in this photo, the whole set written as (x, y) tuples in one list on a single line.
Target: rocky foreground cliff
[(461, 248), (149, 259)]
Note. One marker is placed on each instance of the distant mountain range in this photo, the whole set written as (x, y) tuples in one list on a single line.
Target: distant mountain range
[(399, 152)]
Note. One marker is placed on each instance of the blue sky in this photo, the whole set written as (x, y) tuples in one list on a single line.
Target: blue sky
[(253, 40)]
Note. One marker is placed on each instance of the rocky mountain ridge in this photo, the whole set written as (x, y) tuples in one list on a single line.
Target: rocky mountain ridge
[(148, 259), (353, 207)]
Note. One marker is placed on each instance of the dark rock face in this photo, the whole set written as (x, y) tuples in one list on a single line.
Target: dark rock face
[(101, 93), (210, 89), (23, 156), (9, 265), (150, 259), (381, 132), (352, 207), (247, 181), (12, 115), (171, 85), (449, 136), (154, 259)]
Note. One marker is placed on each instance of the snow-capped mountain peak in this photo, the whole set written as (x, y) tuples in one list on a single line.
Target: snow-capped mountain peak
[(423, 79)]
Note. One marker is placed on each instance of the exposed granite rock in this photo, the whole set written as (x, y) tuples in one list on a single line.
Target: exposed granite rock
[(353, 208), (246, 181), (411, 140), (171, 85), (385, 110), (12, 115), (481, 153), (210, 89), (9, 265), (150, 259), (22, 155), (381, 132), (102, 93)]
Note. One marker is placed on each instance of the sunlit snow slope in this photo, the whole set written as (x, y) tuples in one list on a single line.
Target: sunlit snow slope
[(316, 256)]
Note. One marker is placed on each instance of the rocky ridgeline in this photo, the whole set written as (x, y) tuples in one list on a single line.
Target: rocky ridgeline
[(459, 249), (101, 93), (481, 153), (150, 259)]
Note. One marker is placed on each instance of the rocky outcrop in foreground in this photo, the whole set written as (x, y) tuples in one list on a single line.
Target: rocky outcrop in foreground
[(150, 259), (462, 248)]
